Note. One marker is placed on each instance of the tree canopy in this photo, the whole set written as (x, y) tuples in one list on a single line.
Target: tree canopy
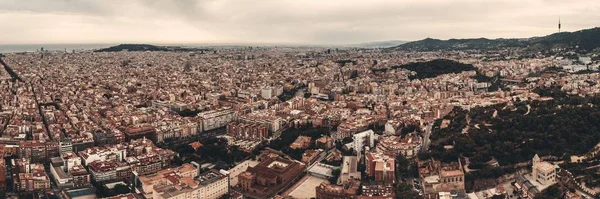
[(515, 133), (434, 68)]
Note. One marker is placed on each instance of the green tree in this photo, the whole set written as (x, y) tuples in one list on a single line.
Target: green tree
[(405, 191)]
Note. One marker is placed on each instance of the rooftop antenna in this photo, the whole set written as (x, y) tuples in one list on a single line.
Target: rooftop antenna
[(558, 24)]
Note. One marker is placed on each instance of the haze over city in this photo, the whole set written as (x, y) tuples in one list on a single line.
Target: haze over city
[(284, 21)]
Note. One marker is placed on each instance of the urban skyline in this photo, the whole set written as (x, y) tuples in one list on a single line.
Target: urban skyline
[(282, 99)]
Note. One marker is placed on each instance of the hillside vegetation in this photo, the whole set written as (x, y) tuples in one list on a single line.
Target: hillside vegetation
[(584, 40), (514, 133), (434, 68), (146, 47)]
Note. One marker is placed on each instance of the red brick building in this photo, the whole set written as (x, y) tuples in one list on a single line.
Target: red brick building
[(380, 166), (268, 177)]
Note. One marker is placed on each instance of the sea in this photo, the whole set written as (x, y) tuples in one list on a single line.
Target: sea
[(18, 48)]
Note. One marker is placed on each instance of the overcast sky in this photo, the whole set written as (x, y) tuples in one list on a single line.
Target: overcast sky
[(284, 21)]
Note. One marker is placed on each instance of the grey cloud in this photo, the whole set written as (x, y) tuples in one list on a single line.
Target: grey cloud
[(83, 7), (288, 21)]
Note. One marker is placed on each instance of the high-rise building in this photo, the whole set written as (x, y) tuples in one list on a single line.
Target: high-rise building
[(363, 139), (266, 92)]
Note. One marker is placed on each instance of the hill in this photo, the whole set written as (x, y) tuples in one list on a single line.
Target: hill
[(434, 68), (584, 40), (132, 47), (147, 47), (379, 44)]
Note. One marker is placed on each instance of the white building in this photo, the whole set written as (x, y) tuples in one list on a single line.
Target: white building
[(363, 139), (543, 172), (89, 155), (68, 171), (266, 93), (214, 119), (392, 127)]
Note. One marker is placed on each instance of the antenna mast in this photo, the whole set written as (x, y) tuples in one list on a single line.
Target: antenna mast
[(559, 24)]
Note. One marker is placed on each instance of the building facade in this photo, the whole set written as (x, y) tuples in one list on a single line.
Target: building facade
[(363, 139), (268, 177), (381, 167), (214, 119), (254, 132), (543, 172), (408, 146), (441, 177), (329, 191)]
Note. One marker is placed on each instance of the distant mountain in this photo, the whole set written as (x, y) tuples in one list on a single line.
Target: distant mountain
[(379, 44), (147, 47), (583, 40), (434, 68)]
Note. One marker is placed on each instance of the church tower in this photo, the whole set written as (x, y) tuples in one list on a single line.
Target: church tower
[(535, 162)]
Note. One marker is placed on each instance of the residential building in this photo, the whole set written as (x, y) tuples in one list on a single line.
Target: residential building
[(208, 185), (324, 142), (310, 156), (145, 184), (274, 123), (254, 132), (330, 191), (377, 190), (409, 146), (381, 167), (113, 162), (214, 119), (363, 139), (68, 171), (38, 151), (266, 93), (33, 177)]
